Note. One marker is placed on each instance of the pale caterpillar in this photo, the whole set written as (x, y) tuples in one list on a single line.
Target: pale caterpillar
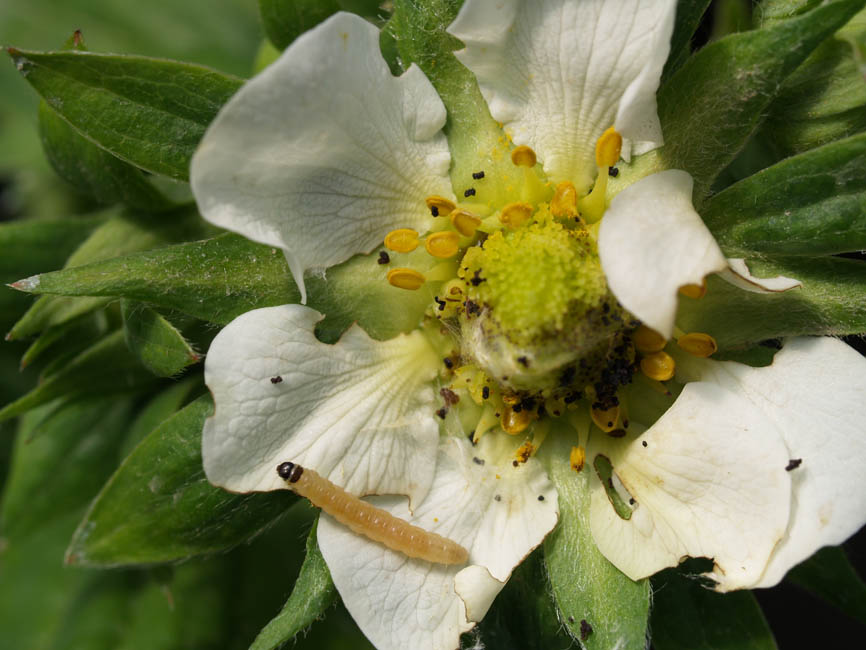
[(370, 521)]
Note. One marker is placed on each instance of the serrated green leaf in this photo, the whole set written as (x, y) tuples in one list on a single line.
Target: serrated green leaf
[(689, 616), (157, 343), (159, 409), (221, 278), (62, 457), (586, 587), (149, 112), (105, 367), (285, 20), (688, 17), (830, 302), (313, 593), (811, 204), (93, 171), (830, 575), (713, 104), (122, 233), (159, 506)]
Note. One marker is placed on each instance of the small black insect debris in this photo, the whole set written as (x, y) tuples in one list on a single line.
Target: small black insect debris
[(625, 424), (571, 398), (434, 210), (477, 279), (541, 497), (794, 463), (498, 497), (644, 443), (585, 629), (523, 361), (616, 433), (631, 502), (517, 408), (384, 258), (567, 376), (605, 307), (448, 363), (609, 423), (571, 619), (449, 396), (485, 392), (613, 171), (478, 175), (440, 302), (442, 412), (477, 461), (472, 308), (515, 463), (469, 192), (276, 380)]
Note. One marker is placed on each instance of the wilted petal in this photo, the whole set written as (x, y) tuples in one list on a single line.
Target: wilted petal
[(360, 412), (400, 602), (815, 392), (325, 151), (651, 242), (710, 482), (558, 73)]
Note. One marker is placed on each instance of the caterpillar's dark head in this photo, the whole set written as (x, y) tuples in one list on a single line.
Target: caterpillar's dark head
[(290, 472)]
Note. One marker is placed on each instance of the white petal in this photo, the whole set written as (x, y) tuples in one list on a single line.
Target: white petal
[(360, 412), (325, 151), (710, 482), (558, 73), (738, 274), (404, 603), (814, 392), (651, 242)]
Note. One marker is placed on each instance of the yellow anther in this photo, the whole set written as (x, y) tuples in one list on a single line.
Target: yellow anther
[(524, 452), (564, 203), (577, 458), (514, 422), (443, 206), (605, 419), (515, 214), (523, 156), (694, 290), (406, 278), (658, 365), (465, 222), (402, 240), (698, 344), (442, 244), (608, 148), (647, 340)]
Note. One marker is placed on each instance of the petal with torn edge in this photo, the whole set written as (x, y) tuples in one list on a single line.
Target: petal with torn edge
[(557, 73), (360, 412), (651, 242), (710, 482), (814, 392), (738, 274), (325, 151), (400, 602)]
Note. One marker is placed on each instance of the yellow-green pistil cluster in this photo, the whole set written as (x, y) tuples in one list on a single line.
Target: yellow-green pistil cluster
[(528, 328)]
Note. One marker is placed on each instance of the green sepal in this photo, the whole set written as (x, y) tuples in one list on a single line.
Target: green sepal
[(686, 21), (70, 337), (285, 20), (811, 204), (830, 302), (712, 105), (825, 98), (476, 141), (105, 367), (586, 586), (62, 457), (122, 233), (687, 615), (152, 113), (220, 278), (92, 170), (161, 407), (158, 344), (313, 593), (829, 575), (523, 616), (159, 506)]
